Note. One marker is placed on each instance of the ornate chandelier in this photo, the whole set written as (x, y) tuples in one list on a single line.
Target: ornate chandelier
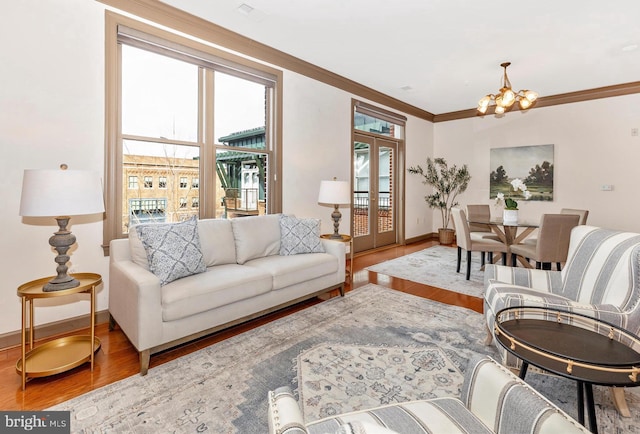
[(505, 98)]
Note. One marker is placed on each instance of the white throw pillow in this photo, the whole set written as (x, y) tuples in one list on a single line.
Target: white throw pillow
[(173, 249), (299, 236)]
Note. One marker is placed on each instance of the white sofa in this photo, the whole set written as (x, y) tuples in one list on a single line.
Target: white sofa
[(493, 401), (243, 276)]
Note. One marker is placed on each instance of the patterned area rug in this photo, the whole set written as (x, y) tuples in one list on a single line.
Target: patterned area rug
[(371, 333), (332, 375), (436, 266)]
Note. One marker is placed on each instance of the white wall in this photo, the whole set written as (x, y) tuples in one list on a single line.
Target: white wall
[(52, 111), (593, 146)]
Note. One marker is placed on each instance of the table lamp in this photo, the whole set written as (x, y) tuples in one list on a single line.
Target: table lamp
[(60, 194), (335, 193)]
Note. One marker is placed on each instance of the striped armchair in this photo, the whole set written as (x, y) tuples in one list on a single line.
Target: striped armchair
[(493, 400), (601, 278)]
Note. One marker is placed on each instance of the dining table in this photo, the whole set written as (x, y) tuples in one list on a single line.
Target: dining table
[(510, 233)]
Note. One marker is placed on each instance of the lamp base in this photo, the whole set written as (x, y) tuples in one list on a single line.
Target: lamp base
[(336, 216), (61, 241), (54, 285)]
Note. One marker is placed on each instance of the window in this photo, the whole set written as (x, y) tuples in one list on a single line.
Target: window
[(165, 122), (133, 182)]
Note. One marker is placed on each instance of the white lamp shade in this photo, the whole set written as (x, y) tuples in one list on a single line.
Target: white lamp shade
[(54, 193), (335, 193)]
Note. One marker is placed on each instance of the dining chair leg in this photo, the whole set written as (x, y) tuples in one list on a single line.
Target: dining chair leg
[(504, 258), (482, 259), (490, 254), (468, 264), (459, 259), (538, 265), (558, 267), (513, 260)]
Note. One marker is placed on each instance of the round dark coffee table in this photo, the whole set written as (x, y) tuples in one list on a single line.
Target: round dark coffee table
[(575, 346)]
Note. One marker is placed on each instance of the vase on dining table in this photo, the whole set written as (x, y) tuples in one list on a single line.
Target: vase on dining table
[(510, 217)]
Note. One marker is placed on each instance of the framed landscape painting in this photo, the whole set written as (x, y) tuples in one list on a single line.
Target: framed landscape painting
[(533, 165)]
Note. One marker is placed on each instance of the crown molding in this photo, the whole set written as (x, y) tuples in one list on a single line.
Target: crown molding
[(176, 19), (547, 101), (165, 15)]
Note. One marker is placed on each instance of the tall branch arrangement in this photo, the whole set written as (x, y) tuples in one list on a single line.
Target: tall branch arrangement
[(447, 183)]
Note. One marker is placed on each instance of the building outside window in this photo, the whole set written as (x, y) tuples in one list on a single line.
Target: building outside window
[(162, 182), (195, 203), (195, 183), (183, 182), (148, 182)]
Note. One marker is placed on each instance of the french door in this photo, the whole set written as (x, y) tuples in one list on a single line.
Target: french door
[(375, 194)]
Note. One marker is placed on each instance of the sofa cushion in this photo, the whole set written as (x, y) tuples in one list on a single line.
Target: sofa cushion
[(136, 249), (299, 235), (256, 236), (290, 270), (173, 249), (217, 242), (218, 286)]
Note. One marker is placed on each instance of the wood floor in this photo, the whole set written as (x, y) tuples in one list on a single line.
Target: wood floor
[(117, 359)]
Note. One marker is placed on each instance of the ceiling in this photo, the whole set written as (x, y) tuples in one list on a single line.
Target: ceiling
[(444, 55)]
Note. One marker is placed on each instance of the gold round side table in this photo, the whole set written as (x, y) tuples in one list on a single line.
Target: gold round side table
[(347, 239), (61, 354)]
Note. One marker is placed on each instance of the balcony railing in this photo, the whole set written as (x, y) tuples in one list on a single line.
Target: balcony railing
[(361, 212)]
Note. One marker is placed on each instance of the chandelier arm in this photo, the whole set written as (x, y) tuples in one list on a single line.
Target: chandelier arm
[(506, 97)]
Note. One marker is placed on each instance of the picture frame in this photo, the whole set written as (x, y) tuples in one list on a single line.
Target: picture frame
[(533, 165)]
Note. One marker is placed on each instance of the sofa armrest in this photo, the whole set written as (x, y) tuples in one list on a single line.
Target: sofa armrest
[(504, 402), (339, 250), (541, 280), (135, 302), (284, 414)]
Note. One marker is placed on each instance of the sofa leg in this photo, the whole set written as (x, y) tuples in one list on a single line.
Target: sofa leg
[(341, 290), (489, 338), (145, 357), (617, 393)]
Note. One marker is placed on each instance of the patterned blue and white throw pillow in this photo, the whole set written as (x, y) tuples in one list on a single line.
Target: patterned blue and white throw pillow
[(299, 236), (173, 249)]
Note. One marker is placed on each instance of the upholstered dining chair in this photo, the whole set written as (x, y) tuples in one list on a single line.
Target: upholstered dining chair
[(464, 242), (479, 231), (477, 213), (583, 213), (552, 244)]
